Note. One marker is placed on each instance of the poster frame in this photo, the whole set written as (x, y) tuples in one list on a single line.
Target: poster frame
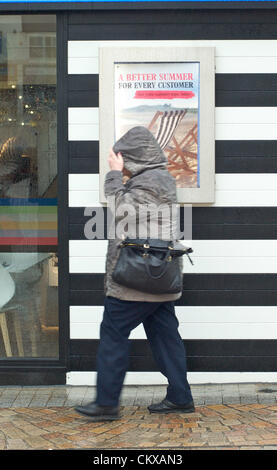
[(109, 57)]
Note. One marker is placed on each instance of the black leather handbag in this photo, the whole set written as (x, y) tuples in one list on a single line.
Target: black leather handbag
[(150, 265)]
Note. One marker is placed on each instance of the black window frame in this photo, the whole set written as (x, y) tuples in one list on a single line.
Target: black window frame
[(39, 370)]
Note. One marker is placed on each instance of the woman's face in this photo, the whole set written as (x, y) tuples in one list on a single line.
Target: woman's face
[(126, 173)]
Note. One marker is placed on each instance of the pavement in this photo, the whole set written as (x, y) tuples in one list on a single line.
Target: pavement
[(227, 417)]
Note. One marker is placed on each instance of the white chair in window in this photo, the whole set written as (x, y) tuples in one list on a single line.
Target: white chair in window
[(18, 263), (7, 290)]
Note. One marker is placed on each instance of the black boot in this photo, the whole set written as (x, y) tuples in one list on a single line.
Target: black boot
[(167, 406), (99, 413)]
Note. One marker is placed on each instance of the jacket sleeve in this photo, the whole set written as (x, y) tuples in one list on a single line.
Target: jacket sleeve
[(113, 183)]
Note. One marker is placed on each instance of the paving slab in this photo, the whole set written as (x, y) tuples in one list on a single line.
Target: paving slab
[(241, 426), (227, 417)]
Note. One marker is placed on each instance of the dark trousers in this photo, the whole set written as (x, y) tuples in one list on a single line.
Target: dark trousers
[(161, 328)]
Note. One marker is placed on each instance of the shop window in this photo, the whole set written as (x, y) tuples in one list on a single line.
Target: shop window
[(28, 187)]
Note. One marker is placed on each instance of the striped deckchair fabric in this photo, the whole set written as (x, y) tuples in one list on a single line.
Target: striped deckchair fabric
[(169, 122)]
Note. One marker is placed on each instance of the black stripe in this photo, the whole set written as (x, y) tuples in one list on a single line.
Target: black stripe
[(197, 297), (206, 232), (251, 157), (84, 165), (208, 223), (223, 98), (83, 157), (191, 16), (83, 98), (83, 149), (198, 289), (202, 355), (231, 90), (245, 90), (194, 364), (193, 282), (82, 82), (171, 31)]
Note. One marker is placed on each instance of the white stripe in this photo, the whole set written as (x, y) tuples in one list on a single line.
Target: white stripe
[(83, 65), (263, 131), (246, 64), (83, 115), (156, 378), (203, 264), (224, 198), (190, 331), (216, 322), (191, 313), (224, 182), (257, 249), (231, 189), (209, 256), (83, 181), (89, 65), (249, 123), (83, 132), (247, 115), (238, 56), (223, 48)]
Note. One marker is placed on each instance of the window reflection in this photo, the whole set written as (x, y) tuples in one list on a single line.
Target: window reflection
[(28, 187)]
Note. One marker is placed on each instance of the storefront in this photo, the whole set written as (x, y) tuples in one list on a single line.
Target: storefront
[(51, 275)]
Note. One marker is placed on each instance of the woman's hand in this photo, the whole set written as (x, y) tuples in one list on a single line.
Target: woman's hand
[(115, 161)]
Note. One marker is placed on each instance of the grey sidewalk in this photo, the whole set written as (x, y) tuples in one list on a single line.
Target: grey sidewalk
[(203, 394)]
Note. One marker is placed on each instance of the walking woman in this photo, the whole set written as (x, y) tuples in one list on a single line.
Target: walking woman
[(138, 155)]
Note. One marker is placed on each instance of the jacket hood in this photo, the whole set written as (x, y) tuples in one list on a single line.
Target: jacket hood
[(140, 150)]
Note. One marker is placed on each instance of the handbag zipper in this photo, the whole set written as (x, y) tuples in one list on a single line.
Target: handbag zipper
[(187, 251)]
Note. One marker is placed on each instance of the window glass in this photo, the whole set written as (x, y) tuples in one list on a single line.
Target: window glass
[(28, 187)]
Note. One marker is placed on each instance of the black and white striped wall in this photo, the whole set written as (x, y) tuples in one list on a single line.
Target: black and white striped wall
[(228, 311)]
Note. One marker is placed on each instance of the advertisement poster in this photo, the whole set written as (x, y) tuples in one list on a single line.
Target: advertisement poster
[(164, 97)]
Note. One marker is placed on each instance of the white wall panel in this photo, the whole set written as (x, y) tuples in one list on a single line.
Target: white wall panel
[(191, 313), (83, 132), (224, 181), (238, 56), (202, 265), (82, 65), (216, 322), (83, 182), (84, 199), (156, 378), (231, 189), (202, 248), (87, 115), (231, 123), (191, 331), (209, 256)]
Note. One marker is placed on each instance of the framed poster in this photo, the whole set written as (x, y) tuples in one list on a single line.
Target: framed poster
[(170, 92)]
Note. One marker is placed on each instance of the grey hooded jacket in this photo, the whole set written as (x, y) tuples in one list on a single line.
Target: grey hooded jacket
[(150, 185)]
